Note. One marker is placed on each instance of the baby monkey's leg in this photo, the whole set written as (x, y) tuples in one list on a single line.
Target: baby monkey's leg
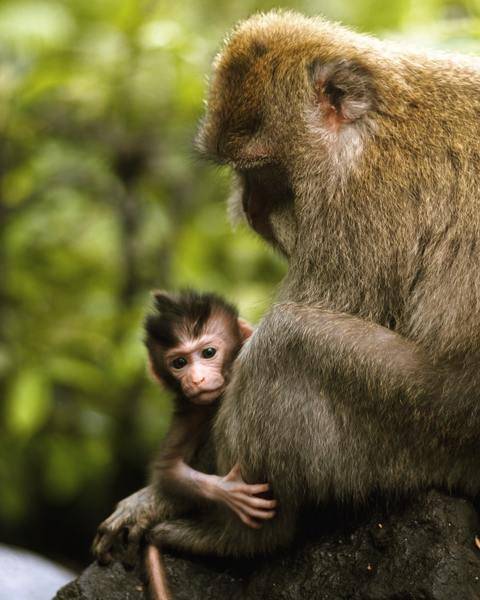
[(157, 576)]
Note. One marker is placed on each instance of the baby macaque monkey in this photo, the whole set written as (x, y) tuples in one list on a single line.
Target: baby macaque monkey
[(192, 341)]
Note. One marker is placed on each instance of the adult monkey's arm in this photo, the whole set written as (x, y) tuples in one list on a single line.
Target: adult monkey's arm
[(369, 368), (356, 388), (120, 535), (365, 409)]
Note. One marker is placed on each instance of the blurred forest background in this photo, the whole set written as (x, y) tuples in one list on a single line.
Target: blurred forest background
[(101, 200)]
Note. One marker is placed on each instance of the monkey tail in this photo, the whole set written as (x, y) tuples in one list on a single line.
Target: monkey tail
[(157, 578)]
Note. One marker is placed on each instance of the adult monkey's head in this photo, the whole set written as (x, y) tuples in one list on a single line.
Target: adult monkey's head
[(289, 110)]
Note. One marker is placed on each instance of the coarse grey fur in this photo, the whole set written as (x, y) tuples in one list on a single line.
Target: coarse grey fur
[(360, 161)]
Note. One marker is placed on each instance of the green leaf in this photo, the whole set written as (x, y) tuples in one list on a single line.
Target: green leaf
[(64, 472), (71, 462), (28, 403), (76, 373)]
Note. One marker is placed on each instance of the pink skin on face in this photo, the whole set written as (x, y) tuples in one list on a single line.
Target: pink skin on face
[(197, 364)]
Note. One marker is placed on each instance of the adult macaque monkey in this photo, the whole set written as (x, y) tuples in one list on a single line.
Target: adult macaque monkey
[(361, 162)]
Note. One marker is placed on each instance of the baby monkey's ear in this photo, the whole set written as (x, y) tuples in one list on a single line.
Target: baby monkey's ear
[(163, 301), (151, 371), (246, 329)]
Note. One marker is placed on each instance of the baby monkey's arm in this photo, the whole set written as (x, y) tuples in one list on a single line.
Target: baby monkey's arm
[(173, 474)]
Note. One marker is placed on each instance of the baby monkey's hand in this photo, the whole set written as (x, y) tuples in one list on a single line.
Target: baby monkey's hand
[(242, 498)]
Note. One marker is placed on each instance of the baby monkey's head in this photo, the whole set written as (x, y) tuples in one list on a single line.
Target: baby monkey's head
[(192, 341)]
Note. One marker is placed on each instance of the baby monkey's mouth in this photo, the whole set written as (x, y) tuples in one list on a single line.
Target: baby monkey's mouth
[(208, 396), (264, 188)]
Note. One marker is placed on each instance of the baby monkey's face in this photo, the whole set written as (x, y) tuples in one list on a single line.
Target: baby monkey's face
[(201, 365)]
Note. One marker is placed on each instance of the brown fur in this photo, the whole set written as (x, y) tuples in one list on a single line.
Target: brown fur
[(360, 161)]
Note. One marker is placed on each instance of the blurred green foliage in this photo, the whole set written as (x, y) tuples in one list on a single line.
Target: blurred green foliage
[(101, 200)]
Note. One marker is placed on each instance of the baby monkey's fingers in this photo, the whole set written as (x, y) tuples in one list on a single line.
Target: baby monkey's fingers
[(256, 488), (260, 514), (243, 504), (235, 474), (245, 518), (260, 503), (238, 485)]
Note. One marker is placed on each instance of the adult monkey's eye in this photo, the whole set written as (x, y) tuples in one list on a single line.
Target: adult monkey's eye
[(209, 352), (179, 362)]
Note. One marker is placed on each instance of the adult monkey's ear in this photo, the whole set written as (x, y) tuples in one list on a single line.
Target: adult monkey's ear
[(245, 328), (343, 90)]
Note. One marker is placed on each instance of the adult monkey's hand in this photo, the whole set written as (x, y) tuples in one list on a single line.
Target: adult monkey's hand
[(120, 535)]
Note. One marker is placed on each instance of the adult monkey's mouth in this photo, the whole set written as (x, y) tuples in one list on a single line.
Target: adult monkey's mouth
[(264, 188)]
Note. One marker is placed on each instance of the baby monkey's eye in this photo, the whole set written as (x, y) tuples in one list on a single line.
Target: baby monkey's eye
[(179, 362), (209, 352)]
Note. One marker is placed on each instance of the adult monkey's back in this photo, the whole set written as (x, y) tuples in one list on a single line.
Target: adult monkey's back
[(361, 163)]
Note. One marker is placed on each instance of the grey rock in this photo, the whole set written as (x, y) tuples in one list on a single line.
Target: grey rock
[(424, 550), (27, 576)]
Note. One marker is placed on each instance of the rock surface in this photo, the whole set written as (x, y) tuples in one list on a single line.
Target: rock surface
[(422, 551)]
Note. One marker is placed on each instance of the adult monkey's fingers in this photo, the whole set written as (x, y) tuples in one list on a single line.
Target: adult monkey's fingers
[(101, 548), (130, 550)]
